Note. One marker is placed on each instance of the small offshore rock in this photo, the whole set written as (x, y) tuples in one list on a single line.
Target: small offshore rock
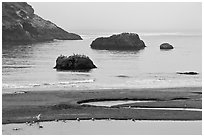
[(166, 46), (188, 73)]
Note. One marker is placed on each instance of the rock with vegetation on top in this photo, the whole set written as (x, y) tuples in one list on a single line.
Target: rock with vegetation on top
[(123, 41), (74, 62), (166, 46), (21, 25)]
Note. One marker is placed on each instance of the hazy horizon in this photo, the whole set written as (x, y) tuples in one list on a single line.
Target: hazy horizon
[(128, 17)]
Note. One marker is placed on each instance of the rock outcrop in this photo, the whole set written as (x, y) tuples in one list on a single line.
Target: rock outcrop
[(20, 24), (74, 62), (123, 41), (166, 46)]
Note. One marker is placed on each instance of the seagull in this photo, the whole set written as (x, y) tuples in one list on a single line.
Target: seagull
[(78, 119), (16, 128), (38, 116), (92, 119), (29, 123), (133, 119)]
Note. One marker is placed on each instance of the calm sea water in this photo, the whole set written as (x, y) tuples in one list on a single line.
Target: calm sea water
[(30, 67)]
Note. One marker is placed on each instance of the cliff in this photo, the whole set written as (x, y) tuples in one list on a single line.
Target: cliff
[(20, 24)]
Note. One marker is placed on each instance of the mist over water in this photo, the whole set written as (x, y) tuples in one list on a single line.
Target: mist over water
[(30, 67)]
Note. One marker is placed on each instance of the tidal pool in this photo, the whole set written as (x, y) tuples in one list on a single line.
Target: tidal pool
[(113, 103)]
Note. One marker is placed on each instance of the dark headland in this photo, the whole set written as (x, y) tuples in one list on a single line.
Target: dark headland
[(21, 25)]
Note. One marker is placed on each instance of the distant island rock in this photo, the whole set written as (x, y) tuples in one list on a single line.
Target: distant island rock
[(20, 24), (123, 41), (166, 46), (74, 62)]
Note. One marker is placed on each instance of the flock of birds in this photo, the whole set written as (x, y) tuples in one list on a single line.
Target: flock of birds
[(38, 117)]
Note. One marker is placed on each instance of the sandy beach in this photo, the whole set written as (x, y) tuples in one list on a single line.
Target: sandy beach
[(105, 127), (68, 105)]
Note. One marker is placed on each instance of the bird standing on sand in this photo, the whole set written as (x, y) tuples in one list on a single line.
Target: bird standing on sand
[(78, 119), (38, 117), (40, 126), (92, 119), (16, 128)]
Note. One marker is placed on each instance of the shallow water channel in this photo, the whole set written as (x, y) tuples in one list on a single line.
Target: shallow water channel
[(113, 103), (123, 102)]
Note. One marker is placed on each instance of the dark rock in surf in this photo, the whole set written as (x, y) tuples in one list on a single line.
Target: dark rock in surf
[(188, 73), (123, 41), (74, 62), (21, 25), (166, 46)]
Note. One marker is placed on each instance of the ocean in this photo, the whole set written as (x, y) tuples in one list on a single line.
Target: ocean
[(30, 67)]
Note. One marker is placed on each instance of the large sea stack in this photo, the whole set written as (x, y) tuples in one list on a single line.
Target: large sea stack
[(123, 41), (20, 25), (74, 62)]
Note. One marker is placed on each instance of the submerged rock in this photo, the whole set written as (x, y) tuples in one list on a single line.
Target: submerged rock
[(74, 62), (166, 46), (123, 41), (21, 25)]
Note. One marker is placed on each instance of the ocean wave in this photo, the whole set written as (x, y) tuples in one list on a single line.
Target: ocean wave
[(16, 66), (46, 84), (122, 76), (151, 83), (35, 85), (6, 86), (77, 81)]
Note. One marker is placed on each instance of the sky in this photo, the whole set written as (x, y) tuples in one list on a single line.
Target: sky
[(121, 16)]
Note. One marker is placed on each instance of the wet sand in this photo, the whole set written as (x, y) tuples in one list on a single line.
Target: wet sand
[(67, 105), (104, 127)]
